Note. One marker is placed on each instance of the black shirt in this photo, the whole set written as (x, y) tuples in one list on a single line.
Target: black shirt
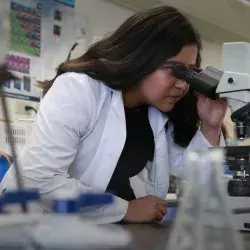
[(137, 151)]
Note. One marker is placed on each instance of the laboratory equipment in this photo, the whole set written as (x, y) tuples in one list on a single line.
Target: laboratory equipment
[(204, 217), (172, 210), (231, 83), (238, 187), (5, 162)]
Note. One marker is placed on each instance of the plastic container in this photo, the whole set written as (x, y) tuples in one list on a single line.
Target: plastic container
[(4, 166), (172, 211)]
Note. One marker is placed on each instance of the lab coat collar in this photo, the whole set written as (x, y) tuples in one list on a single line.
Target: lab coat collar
[(117, 104), (117, 101), (156, 118)]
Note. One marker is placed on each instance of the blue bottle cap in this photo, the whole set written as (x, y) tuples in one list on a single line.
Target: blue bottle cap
[(65, 206), (71, 204), (94, 199)]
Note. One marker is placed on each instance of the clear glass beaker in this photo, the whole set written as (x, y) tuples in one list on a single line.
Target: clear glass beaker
[(204, 221)]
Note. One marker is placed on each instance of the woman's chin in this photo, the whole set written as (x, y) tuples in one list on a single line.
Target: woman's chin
[(166, 107)]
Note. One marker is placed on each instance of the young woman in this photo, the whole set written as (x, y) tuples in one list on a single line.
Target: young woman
[(116, 120)]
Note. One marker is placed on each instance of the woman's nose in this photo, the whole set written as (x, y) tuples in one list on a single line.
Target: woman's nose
[(181, 85)]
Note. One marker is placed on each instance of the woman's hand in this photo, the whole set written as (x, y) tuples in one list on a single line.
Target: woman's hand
[(146, 209), (211, 113)]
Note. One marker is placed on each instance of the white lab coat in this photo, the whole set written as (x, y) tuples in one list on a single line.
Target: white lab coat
[(78, 138)]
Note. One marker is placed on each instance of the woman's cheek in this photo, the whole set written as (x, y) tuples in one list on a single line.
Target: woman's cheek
[(186, 90)]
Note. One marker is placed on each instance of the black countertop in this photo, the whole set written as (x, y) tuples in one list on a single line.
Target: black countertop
[(155, 236)]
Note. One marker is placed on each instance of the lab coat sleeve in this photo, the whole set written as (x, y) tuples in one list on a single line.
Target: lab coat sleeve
[(177, 153), (63, 118)]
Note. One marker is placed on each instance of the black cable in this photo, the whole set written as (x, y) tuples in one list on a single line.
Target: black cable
[(5, 75), (72, 49), (28, 108)]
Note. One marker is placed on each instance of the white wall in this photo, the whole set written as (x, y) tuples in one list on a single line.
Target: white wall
[(211, 54), (16, 108), (102, 17)]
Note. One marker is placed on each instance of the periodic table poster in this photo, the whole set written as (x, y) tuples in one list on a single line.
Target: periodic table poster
[(41, 35)]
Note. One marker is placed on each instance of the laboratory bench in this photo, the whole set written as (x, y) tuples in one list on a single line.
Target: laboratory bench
[(155, 236)]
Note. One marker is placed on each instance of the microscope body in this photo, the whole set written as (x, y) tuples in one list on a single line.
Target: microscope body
[(233, 84), (238, 186)]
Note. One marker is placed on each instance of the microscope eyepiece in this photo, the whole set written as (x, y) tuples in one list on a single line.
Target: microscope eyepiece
[(203, 81)]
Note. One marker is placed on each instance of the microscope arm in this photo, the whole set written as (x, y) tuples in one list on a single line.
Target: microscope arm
[(235, 87)]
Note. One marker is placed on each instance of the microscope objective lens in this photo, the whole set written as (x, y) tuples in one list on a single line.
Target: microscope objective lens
[(241, 130)]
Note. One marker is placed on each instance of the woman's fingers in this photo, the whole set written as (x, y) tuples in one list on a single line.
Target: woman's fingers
[(163, 209)]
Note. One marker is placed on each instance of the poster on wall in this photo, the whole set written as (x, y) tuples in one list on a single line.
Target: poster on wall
[(25, 86), (41, 35), (17, 63), (25, 28), (61, 28), (24, 49)]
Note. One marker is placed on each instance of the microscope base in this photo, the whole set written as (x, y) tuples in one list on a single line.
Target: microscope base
[(241, 212)]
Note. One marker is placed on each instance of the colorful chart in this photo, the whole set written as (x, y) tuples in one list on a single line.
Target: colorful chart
[(17, 63), (25, 23)]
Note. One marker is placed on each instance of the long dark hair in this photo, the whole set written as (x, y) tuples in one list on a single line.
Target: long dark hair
[(184, 116), (136, 49)]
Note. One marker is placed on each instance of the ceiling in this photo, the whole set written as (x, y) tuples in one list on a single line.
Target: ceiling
[(221, 20)]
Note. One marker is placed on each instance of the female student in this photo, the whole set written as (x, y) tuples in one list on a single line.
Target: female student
[(116, 120)]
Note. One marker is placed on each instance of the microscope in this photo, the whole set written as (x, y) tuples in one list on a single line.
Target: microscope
[(233, 84)]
